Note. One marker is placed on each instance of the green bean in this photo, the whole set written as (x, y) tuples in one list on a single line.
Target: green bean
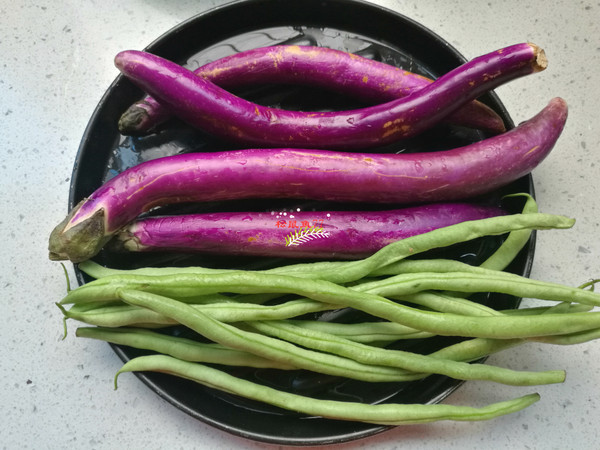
[(326, 292), (476, 348), (515, 241), (496, 345), (82, 308), (482, 279), (130, 315), (446, 303), (442, 237), (453, 302), (436, 301), (258, 344), (475, 281), (569, 339), (499, 260), (191, 350), (366, 332), (236, 312), (245, 282), (284, 352), (363, 332), (98, 271), (437, 265), (413, 362), (468, 350), (473, 349), (104, 289), (563, 307), (178, 347), (443, 302), (384, 414), (117, 316)]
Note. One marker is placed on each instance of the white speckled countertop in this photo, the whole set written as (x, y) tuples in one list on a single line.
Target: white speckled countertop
[(56, 63)]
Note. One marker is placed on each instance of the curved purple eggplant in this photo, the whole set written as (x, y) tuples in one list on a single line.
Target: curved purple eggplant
[(335, 70), (297, 234), (208, 107), (308, 174)]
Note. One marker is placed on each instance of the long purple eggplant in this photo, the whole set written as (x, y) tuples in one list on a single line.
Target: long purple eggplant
[(358, 77), (208, 107), (303, 234), (308, 174)]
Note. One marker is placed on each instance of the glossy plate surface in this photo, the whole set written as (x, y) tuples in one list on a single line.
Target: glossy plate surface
[(352, 26)]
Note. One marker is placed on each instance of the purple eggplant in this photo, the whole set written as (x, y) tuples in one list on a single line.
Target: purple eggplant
[(296, 234), (208, 107), (358, 77), (406, 178)]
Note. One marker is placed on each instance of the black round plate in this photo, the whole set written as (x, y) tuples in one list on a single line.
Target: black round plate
[(347, 25)]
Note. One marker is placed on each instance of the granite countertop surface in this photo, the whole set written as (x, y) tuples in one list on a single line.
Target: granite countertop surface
[(56, 62)]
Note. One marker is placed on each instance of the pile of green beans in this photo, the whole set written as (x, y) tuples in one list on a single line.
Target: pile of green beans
[(258, 319)]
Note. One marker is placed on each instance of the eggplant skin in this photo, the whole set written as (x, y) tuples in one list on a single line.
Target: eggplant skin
[(299, 234), (212, 109), (346, 73), (443, 176)]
